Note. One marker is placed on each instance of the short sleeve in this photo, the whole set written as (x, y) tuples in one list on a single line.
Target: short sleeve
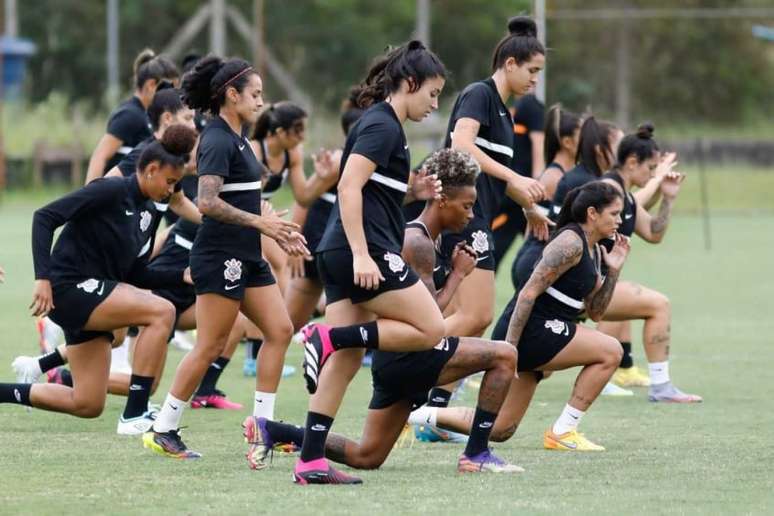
[(474, 103), (530, 114), (214, 155), (377, 140), (128, 165), (126, 124)]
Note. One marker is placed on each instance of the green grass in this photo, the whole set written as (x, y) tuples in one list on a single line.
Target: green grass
[(713, 458)]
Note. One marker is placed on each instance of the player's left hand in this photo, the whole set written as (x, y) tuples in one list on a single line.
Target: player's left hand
[(671, 183), (538, 225), (425, 186), (295, 245), (617, 256)]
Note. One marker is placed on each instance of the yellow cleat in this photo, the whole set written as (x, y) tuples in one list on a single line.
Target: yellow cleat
[(630, 377), (570, 441)]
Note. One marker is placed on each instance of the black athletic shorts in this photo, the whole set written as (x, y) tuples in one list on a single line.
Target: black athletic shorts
[(74, 302), (479, 237), (335, 268), (183, 298), (310, 269), (408, 376), (541, 340), (220, 273)]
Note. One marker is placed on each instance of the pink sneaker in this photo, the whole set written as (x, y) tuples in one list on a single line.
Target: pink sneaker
[(55, 376), (317, 348), (320, 472), (216, 400)]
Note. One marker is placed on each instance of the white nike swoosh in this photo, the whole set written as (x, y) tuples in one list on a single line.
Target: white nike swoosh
[(436, 268), (405, 146), (502, 114), (101, 289), (241, 147), (231, 287), (482, 258), (130, 213), (404, 275)]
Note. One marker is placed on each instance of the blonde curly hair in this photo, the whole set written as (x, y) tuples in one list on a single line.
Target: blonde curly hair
[(454, 168)]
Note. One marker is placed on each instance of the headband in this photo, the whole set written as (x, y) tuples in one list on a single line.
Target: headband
[(228, 82)]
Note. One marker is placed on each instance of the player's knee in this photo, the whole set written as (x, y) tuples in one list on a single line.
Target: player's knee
[(506, 356), (433, 332), (89, 408), (164, 313), (611, 352), (662, 303), (500, 434)]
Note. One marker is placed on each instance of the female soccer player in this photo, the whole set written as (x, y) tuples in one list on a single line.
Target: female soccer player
[(401, 380), (481, 125), (374, 299), (87, 283), (128, 124), (637, 161), (277, 141), (228, 271)]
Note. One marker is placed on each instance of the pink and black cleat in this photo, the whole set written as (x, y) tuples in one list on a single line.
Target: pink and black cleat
[(317, 348), (320, 472)]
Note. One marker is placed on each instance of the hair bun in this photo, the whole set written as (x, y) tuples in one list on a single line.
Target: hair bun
[(522, 26), (178, 139), (415, 44), (143, 57), (646, 130)]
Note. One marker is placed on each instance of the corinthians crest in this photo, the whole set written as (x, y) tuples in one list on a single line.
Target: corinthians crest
[(558, 327), (145, 220), (233, 270), (480, 241), (394, 261)]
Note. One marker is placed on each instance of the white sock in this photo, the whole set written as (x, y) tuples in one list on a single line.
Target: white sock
[(659, 372), (264, 404), (424, 415), (568, 420), (169, 416)]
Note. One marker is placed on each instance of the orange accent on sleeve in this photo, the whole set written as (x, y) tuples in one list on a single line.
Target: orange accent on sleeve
[(499, 221), (520, 129)]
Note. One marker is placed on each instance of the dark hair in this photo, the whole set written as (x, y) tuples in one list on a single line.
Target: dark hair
[(350, 112), (594, 134), (147, 66), (596, 194), (285, 115), (165, 101), (640, 144), (560, 123), (189, 60), (453, 167), (411, 62), (204, 87), (521, 43), (173, 148)]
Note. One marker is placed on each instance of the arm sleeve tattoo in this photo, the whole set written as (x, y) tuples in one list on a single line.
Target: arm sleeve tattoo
[(215, 207), (560, 255), (419, 252), (658, 224)]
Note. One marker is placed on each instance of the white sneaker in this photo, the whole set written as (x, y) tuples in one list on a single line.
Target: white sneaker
[(135, 425), (612, 389), (182, 341), (27, 369)]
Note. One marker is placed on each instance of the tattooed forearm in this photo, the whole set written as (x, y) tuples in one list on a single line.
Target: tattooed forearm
[(560, 255), (659, 223), (419, 253), (213, 206), (597, 303), (336, 446)]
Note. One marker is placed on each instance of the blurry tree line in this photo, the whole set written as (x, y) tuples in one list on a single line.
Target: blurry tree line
[(706, 71)]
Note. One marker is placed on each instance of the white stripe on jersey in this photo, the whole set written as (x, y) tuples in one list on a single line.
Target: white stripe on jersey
[(124, 150), (183, 242), (564, 298), (161, 206), (328, 197), (494, 147), (388, 181), (144, 248), (241, 187)]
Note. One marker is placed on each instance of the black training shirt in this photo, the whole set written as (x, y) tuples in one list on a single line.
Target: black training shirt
[(528, 119), (108, 232), (577, 176), (481, 102), (222, 152), (378, 136), (130, 124)]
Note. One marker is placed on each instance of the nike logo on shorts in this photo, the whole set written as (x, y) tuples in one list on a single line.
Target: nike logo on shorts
[(404, 275), (129, 213), (482, 258), (231, 287)]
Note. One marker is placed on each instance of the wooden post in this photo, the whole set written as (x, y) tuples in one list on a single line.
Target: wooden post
[(623, 77), (422, 30), (540, 20), (113, 88), (218, 27), (259, 37)]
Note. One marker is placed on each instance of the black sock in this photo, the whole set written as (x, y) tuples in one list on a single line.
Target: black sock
[(67, 377), (254, 346), (626, 360), (478, 440), (211, 376), (51, 360), (285, 433), (439, 397), (356, 336), (139, 394), (18, 393), (315, 434)]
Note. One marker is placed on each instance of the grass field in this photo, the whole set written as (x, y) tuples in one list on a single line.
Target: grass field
[(714, 458)]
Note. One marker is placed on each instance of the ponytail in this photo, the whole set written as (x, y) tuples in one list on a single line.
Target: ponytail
[(285, 115), (559, 124), (596, 194)]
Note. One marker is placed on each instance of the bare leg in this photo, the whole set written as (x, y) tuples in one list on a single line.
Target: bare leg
[(301, 298), (475, 300)]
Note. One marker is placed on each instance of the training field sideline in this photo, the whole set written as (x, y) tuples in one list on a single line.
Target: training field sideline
[(712, 458)]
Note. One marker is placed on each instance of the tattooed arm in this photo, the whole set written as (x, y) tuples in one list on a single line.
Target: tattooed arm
[(599, 299), (652, 228), (419, 253), (564, 252), (211, 205)]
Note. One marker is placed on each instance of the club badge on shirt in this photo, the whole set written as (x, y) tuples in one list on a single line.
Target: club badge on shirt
[(145, 221), (480, 241)]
